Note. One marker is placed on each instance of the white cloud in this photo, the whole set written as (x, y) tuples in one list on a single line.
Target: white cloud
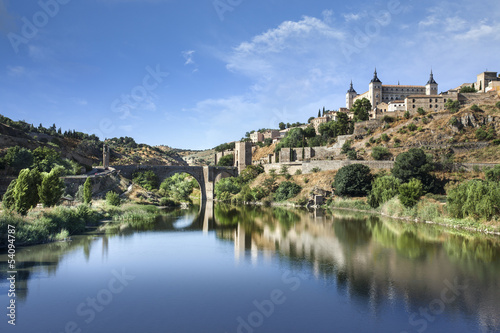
[(479, 32), (188, 57), (16, 70), (352, 17)]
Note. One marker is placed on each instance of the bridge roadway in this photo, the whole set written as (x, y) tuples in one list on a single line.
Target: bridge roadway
[(206, 176)]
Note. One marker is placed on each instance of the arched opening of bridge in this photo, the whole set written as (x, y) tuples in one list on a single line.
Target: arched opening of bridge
[(180, 187)]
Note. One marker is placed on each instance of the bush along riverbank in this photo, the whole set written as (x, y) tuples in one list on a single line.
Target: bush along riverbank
[(57, 224)]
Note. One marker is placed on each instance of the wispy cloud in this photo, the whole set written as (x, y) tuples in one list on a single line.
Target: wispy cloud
[(188, 57), (16, 70)]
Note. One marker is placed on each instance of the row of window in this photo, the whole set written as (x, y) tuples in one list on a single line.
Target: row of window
[(430, 106), (407, 89)]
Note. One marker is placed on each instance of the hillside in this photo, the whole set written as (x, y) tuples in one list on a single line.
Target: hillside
[(81, 147), (469, 135), (197, 157)]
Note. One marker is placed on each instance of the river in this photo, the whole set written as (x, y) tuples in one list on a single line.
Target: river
[(257, 269)]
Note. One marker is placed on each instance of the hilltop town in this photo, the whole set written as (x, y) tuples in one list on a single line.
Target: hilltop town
[(459, 125)]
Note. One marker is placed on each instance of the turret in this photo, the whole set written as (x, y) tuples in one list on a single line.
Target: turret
[(431, 88), (351, 94), (375, 90)]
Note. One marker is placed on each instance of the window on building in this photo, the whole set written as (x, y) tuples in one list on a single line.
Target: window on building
[(430, 106), (430, 100), (436, 106), (413, 105), (414, 100), (436, 100)]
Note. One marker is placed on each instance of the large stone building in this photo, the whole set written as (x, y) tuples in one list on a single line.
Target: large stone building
[(390, 94)]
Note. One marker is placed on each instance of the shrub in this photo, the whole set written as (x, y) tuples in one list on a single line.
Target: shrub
[(298, 172), (383, 189), (353, 180), (410, 193), (453, 121), (380, 153), (229, 185), (147, 179), (315, 170), (421, 112), (493, 174), (352, 155), (387, 119), (475, 198), (113, 199), (467, 89), (452, 105), (284, 170), (287, 190), (226, 160), (475, 108), (481, 134), (25, 192), (412, 164), (497, 105), (407, 114), (412, 127)]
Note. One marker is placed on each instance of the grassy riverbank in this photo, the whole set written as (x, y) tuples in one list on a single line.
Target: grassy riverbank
[(44, 225), (430, 209)]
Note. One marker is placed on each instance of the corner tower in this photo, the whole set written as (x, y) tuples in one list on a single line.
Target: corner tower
[(375, 90), (349, 98), (431, 88)]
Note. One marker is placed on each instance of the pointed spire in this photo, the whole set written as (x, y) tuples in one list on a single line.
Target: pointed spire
[(351, 89), (375, 77), (431, 79)]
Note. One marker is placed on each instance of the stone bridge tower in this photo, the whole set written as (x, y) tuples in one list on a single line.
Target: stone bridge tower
[(105, 157), (242, 155)]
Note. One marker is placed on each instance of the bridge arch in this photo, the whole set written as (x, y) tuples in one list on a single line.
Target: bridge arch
[(206, 176)]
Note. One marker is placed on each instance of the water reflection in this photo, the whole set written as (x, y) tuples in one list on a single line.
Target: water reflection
[(372, 261)]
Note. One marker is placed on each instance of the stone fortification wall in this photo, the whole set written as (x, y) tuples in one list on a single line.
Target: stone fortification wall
[(307, 167), (101, 183)]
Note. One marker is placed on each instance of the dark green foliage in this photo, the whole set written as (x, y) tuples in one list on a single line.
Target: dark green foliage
[(113, 199), (412, 127), (178, 187), (147, 179), (8, 201), (228, 185), (309, 132), (361, 109), (334, 128), (474, 107), (407, 114), (18, 158), (353, 180), (467, 89), (383, 189), (421, 111), (493, 174), (475, 198), (346, 147), (387, 119), (52, 187), (287, 190), (122, 141), (250, 173), (410, 193), (380, 153), (26, 190), (226, 160), (497, 105), (452, 105), (352, 155), (412, 164), (282, 126), (87, 191), (225, 146), (385, 137), (295, 138)]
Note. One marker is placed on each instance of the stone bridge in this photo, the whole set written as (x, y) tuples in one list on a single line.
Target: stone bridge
[(206, 176)]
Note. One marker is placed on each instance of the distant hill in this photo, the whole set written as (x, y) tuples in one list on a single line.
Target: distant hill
[(81, 147)]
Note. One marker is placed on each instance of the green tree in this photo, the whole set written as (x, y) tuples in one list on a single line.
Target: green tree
[(179, 187), (407, 114), (475, 198), (353, 180), (467, 89), (8, 200), (309, 132), (147, 179), (226, 160), (380, 153), (113, 199), (287, 190), (413, 164), (51, 188), (319, 113), (18, 158), (26, 190), (228, 185), (421, 111), (383, 189), (410, 193), (87, 191), (361, 109), (282, 126)]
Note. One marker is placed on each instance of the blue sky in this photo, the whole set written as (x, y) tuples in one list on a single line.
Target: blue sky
[(194, 74)]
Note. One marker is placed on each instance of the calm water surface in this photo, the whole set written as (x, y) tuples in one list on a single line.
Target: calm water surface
[(252, 269)]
